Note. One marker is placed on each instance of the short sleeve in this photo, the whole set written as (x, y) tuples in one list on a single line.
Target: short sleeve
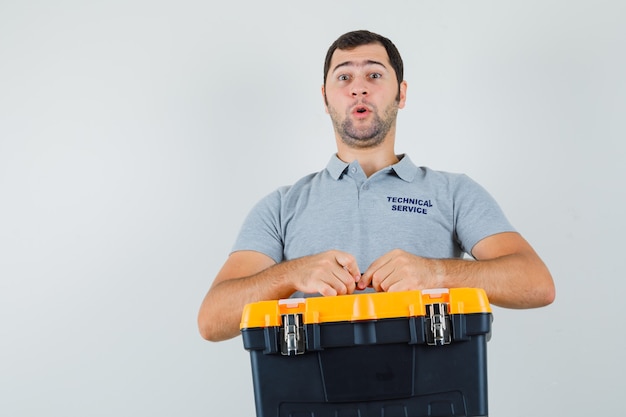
[(261, 230), (476, 214)]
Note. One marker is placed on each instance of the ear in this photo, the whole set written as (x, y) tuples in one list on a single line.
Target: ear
[(325, 101), (403, 87)]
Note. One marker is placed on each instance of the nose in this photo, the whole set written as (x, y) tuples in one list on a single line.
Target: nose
[(359, 89)]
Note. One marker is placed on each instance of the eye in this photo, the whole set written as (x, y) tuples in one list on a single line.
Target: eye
[(343, 77), (375, 75)]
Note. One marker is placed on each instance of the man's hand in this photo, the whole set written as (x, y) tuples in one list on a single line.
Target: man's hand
[(505, 266), (399, 270), (249, 276), (328, 273)]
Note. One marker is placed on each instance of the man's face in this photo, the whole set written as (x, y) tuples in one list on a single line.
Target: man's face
[(361, 95)]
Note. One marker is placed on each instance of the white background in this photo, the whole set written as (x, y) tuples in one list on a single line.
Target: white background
[(135, 135)]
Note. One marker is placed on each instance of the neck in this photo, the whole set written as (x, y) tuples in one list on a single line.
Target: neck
[(371, 160)]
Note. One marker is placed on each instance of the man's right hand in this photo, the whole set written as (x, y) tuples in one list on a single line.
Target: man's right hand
[(328, 273), (249, 276)]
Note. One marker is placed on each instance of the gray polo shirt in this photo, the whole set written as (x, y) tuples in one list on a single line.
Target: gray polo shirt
[(429, 213)]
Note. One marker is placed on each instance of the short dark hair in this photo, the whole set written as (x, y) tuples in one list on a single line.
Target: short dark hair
[(356, 38)]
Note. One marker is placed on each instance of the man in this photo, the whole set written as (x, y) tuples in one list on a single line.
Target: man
[(372, 219)]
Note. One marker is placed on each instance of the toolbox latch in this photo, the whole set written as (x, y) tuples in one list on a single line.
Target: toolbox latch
[(292, 335), (438, 331)]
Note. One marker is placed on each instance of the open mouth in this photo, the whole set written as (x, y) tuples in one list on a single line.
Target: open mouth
[(360, 110)]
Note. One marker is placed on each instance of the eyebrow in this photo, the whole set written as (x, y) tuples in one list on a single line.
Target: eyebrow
[(358, 64)]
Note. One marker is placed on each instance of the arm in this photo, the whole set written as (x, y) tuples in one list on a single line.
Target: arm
[(249, 276), (506, 267)]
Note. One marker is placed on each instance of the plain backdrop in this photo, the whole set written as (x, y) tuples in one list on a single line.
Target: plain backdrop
[(135, 136)]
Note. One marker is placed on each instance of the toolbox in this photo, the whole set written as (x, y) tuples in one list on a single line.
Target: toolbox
[(403, 354)]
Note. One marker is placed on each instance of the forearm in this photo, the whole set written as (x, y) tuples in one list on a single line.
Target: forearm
[(249, 276), (221, 310), (507, 268), (519, 280)]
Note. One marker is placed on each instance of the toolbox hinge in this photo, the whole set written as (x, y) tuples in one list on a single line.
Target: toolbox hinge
[(438, 331), (292, 335)]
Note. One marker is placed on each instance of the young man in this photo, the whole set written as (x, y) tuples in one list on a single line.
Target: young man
[(372, 219)]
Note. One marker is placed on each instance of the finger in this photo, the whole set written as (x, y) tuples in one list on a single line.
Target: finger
[(349, 264), (336, 281), (327, 291), (372, 276), (344, 281), (365, 280), (399, 285), (382, 277), (355, 275), (332, 287)]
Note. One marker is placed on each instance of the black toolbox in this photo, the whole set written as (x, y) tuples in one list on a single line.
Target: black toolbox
[(404, 354)]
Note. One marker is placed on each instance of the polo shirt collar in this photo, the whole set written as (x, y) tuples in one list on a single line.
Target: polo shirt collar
[(336, 167), (404, 169)]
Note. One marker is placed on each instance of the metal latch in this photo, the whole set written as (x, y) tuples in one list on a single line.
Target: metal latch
[(438, 331), (292, 335)]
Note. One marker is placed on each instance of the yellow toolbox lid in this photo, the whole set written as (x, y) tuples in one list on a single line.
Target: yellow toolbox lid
[(366, 306)]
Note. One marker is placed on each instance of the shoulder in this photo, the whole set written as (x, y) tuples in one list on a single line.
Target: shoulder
[(427, 172), (447, 179), (315, 180), (455, 186), (285, 193)]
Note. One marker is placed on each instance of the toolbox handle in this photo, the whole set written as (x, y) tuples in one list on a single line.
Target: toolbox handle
[(291, 302), (435, 292)]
